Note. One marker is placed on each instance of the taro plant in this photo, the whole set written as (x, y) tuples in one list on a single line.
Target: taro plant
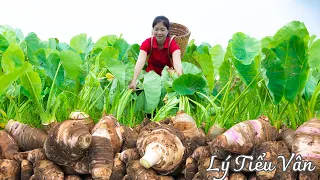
[(290, 58), (277, 76), (186, 93)]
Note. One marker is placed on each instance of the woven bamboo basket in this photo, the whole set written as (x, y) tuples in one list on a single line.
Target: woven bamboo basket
[(182, 35)]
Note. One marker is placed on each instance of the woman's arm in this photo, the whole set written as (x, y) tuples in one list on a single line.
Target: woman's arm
[(138, 67), (177, 62), (140, 64)]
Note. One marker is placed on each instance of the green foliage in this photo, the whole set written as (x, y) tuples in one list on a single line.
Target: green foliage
[(278, 76), (188, 84)]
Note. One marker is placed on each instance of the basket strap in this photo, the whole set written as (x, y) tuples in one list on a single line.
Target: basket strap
[(172, 37), (151, 46), (150, 51)]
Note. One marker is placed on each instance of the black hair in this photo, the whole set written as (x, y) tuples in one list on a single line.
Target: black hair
[(162, 19)]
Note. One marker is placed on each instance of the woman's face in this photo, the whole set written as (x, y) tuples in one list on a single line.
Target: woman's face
[(160, 32)]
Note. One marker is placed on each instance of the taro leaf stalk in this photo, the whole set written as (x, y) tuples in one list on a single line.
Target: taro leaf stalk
[(314, 63), (48, 61), (287, 71), (245, 55), (111, 62), (31, 81), (241, 59), (90, 98), (148, 93), (170, 103), (229, 106), (187, 86), (9, 107), (13, 66), (313, 101), (118, 101), (290, 57)]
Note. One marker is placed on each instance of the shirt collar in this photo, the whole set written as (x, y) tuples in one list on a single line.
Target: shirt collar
[(155, 43)]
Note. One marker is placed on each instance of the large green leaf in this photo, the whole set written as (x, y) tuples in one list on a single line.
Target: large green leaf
[(79, 43), (314, 55), (63, 46), (51, 67), (247, 72), (191, 47), (122, 46), (310, 86), (31, 57), (191, 59), (107, 52), (116, 67), (188, 84), (189, 68), (188, 55), (7, 79), (217, 56), (33, 41), (33, 45), (4, 44), (203, 48), (266, 41), (152, 90), (134, 51), (53, 43), (140, 102), (293, 56), (40, 55), (129, 71), (245, 54), (311, 41), (105, 41), (12, 57), (1, 71), (275, 74), (226, 70), (225, 73), (19, 35), (166, 80), (206, 64), (293, 28), (244, 48), (72, 63), (29, 53), (9, 33), (32, 83)]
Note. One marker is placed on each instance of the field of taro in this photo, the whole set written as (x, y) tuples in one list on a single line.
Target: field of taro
[(246, 111)]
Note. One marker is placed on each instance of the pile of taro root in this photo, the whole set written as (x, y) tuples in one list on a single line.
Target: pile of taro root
[(174, 148)]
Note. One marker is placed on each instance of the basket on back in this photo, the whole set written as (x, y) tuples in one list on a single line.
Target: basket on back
[(182, 35)]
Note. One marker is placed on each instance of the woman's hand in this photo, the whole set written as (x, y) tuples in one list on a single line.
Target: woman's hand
[(132, 85)]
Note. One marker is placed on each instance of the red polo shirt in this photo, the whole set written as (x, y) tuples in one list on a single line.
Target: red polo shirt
[(159, 58)]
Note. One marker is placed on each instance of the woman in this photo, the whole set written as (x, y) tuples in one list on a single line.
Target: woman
[(159, 57)]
